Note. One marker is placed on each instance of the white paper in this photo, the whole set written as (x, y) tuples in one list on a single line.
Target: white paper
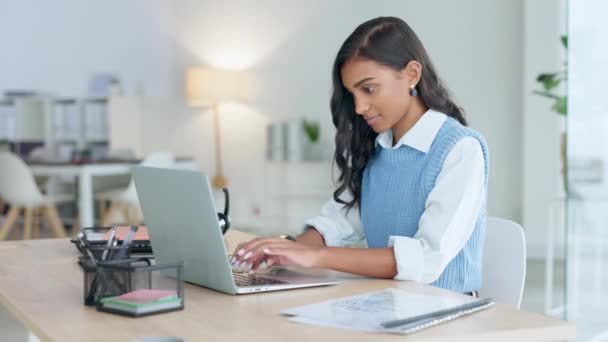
[(92, 236), (367, 312)]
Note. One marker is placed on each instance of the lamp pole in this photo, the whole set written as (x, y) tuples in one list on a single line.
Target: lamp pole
[(219, 181)]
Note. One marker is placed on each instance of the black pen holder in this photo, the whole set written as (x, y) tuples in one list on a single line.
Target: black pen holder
[(111, 279), (105, 253), (90, 263), (123, 278)]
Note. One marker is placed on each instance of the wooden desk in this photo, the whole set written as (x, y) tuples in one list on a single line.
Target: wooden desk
[(41, 285)]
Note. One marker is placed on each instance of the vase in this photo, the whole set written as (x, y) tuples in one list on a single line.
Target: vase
[(312, 151)]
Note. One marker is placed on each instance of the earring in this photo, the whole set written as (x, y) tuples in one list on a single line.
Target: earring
[(413, 91)]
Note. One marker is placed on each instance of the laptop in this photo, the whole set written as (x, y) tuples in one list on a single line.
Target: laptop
[(182, 222)]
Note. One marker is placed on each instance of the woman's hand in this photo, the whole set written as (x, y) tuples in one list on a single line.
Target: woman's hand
[(262, 252)]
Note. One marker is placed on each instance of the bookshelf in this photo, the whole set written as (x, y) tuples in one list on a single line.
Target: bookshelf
[(79, 123), (22, 123), (59, 124)]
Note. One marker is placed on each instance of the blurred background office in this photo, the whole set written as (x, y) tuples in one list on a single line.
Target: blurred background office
[(240, 90)]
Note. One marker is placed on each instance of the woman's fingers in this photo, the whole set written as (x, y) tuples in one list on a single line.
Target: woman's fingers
[(260, 266), (269, 261), (273, 260), (235, 252), (241, 267), (278, 252), (303, 256), (281, 255), (254, 252), (243, 249), (251, 256)]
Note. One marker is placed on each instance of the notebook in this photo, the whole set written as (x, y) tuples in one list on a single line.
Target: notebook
[(391, 310), (143, 301), (122, 231), (143, 309), (146, 295)]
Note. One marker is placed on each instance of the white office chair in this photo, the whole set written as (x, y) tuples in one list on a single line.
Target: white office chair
[(122, 154), (504, 262), (18, 189), (124, 206)]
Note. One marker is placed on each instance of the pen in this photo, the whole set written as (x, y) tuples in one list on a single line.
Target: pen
[(92, 257), (126, 242), (104, 256), (110, 251), (81, 239)]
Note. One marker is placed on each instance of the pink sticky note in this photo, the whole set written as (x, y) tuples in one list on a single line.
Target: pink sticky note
[(146, 295)]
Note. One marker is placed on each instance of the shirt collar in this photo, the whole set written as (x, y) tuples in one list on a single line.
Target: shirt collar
[(420, 136)]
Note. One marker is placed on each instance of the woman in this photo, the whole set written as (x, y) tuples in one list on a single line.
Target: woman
[(413, 177)]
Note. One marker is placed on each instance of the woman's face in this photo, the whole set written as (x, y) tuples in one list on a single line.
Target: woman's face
[(381, 94)]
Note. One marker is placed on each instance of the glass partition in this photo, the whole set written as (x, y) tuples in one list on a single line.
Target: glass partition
[(587, 201)]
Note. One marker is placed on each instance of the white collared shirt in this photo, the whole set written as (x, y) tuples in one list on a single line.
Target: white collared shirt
[(451, 208)]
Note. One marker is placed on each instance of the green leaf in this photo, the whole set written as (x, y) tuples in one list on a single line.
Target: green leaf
[(561, 105), (311, 129), (549, 80), (545, 76), (550, 84)]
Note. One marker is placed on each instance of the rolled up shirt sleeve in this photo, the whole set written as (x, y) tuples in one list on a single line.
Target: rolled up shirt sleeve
[(451, 212), (338, 226)]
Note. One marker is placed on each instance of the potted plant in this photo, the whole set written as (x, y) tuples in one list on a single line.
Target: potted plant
[(550, 82), (312, 148)]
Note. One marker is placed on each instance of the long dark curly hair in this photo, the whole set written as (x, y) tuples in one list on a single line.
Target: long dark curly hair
[(391, 42)]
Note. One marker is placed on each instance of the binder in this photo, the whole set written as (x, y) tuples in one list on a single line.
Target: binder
[(391, 310), (413, 324)]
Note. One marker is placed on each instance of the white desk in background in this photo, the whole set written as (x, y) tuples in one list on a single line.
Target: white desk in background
[(85, 173)]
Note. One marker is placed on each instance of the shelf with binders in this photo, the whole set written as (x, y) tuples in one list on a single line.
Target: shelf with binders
[(80, 120), (79, 124), (22, 123), (8, 120)]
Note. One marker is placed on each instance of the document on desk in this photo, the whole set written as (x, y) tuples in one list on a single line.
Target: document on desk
[(391, 310)]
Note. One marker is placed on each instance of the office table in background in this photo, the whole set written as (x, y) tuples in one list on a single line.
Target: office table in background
[(41, 285), (85, 173)]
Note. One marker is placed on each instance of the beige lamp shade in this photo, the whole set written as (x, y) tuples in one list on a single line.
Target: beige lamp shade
[(207, 86)]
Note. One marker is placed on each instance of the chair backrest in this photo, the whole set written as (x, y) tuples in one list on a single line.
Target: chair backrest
[(155, 159), (159, 159), (504, 261), (17, 184), (121, 153), (41, 153)]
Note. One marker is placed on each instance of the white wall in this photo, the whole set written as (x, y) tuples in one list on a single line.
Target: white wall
[(289, 49), (55, 46)]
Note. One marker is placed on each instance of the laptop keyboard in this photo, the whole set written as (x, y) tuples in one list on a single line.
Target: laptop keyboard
[(243, 279)]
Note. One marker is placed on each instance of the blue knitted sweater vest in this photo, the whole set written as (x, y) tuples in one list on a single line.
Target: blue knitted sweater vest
[(395, 186)]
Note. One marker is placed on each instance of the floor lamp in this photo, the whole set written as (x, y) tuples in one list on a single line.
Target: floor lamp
[(208, 87)]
